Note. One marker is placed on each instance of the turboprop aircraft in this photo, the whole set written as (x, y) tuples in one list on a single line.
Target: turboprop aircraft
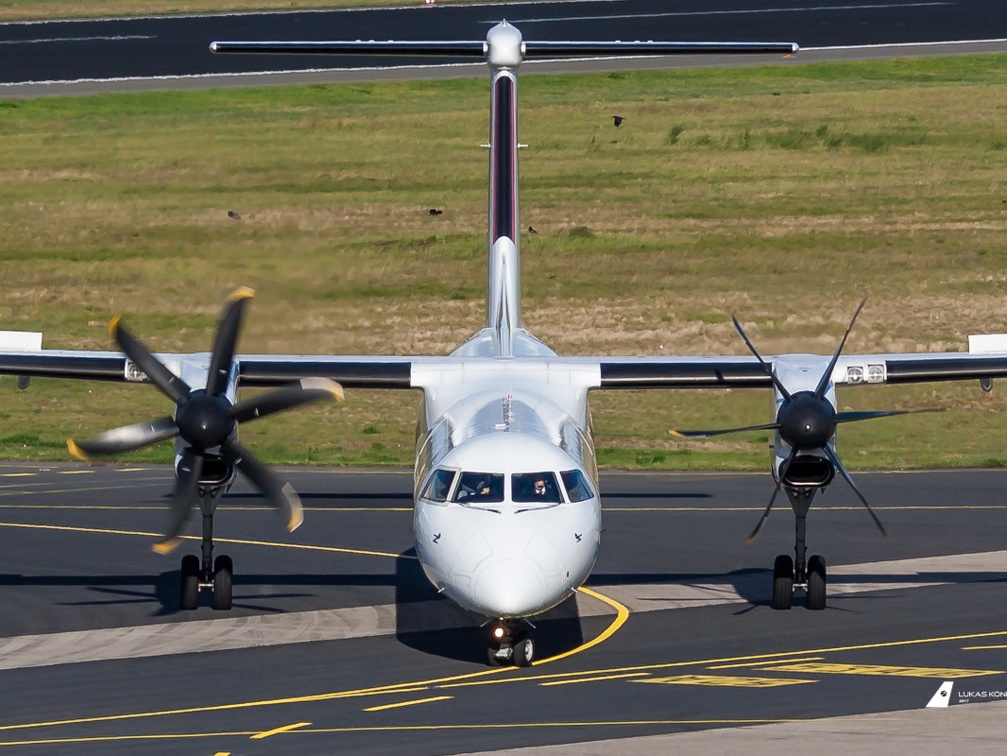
[(507, 514)]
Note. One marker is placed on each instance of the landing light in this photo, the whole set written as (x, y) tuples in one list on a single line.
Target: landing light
[(498, 632)]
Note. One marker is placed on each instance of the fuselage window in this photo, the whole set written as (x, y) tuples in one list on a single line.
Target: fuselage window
[(478, 488), (535, 487), (577, 486), (440, 485)]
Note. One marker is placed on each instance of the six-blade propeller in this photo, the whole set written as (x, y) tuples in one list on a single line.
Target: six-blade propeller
[(806, 422), (205, 420)]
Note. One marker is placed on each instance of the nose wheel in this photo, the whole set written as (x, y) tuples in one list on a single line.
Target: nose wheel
[(215, 575), (510, 644), (802, 572)]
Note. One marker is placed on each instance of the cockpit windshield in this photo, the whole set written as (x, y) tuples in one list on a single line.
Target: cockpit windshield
[(440, 485), (577, 487), (540, 487), (479, 488)]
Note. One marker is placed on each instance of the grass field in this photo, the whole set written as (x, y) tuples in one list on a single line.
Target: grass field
[(782, 193)]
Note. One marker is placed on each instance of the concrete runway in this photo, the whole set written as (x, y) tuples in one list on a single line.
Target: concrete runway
[(337, 642)]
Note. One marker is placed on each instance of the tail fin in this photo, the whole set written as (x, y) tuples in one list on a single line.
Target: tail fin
[(504, 49), (503, 283)]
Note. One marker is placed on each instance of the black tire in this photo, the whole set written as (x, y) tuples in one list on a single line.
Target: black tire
[(188, 596), (223, 579), (783, 582), (816, 583), (524, 652)]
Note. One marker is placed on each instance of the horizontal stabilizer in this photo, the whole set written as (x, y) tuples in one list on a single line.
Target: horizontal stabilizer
[(619, 49), (479, 49), (446, 49)]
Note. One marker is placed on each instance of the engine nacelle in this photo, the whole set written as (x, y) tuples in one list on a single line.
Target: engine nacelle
[(809, 471)]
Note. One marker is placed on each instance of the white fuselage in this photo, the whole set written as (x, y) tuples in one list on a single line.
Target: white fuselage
[(511, 425)]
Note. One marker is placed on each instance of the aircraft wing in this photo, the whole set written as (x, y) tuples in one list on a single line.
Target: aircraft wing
[(396, 372), (745, 372), (56, 363), (261, 370)]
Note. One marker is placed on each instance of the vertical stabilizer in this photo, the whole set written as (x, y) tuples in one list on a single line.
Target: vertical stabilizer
[(503, 292), (504, 49)]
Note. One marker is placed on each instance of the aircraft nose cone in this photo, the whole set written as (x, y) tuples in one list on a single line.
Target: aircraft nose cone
[(509, 588)]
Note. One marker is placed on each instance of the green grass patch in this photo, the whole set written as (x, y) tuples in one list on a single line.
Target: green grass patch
[(782, 194)]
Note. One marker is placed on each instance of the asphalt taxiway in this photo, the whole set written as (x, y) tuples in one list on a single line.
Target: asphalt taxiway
[(337, 642)]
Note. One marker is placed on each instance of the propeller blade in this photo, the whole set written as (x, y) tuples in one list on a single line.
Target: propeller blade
[(125, 439), (751, 347), (834, 458), (721, 431), (186, 489), (827, 375), (765, 515), (170, 384), (305, 391), (280, 496), (226, 340), (852, 417)]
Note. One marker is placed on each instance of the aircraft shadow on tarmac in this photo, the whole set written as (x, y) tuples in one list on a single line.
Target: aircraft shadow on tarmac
[(432, 624), (424, 620), (753, 585)]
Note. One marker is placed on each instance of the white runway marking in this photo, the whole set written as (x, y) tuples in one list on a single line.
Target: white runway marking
[(52, 40), (229, 633), (730, 12)]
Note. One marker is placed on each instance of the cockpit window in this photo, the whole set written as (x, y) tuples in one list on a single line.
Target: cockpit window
[(480, 488), (577, 487), (439, 486), (535, 487)]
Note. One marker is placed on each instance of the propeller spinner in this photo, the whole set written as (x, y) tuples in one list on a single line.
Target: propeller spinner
[(205, 419), (806, 422)]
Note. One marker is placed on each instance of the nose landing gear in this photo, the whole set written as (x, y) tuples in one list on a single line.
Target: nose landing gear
[(800, 572), (217, 575), (510, 643)]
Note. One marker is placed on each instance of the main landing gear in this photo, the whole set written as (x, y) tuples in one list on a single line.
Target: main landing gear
[(801, 572), (216, 575), (511, 643)]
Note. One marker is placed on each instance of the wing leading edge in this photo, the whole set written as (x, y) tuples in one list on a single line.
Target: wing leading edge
[(396, 372)]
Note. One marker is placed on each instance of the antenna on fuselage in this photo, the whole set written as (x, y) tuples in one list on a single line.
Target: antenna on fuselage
[(504, 49)]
